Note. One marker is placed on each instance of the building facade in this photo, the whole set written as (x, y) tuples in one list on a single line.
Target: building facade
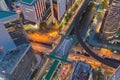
[(69, 3), (59, 7), (11, 30), (33, 10), (5, 39), (6, 5), (3, 5), (116, 75), (18, 64), (111, 25), (17, 59)]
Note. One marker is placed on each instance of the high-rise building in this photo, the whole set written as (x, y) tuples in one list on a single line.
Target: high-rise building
[(59, 7), (11, 32), (11, 25), (6, 5), (5, 39), (112, 22), (116, 75), (82, 71), (17, 60), (33, 10), (18, 63), (3, 5), (69, 3)]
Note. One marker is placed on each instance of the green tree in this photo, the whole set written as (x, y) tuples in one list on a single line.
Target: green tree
[(43, 26), (103, 4)]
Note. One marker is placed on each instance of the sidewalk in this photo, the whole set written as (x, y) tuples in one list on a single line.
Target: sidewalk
[(66, 27)]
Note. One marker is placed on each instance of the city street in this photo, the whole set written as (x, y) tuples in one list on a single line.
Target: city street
[(77, 30), (42, 71), (60, 40)]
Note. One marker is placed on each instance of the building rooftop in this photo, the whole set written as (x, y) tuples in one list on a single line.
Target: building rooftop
[(28, 2), (4, 14), (116, 74), (82, 71), (111, 25), (12, 57)]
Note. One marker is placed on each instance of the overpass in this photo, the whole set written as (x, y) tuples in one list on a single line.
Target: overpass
[(61, 52)]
